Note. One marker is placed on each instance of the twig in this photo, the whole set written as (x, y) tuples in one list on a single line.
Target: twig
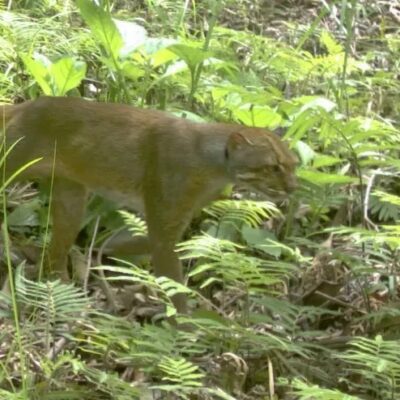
[(58, 346), (90, 253), (335, 300), (111, 302), (367, 197)]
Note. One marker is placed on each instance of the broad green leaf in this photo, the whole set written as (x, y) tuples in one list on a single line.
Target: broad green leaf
[(25, 214), (132, 71), (161, 57), (174, 69), (102, 27), (67, 73), (302, 124), (192, 56), (322, 178), (39, 69), (224, 230), (258, 116), (258, 238), (319, 102), (133, 35), (152, 45), (322, 160), (305, 152)]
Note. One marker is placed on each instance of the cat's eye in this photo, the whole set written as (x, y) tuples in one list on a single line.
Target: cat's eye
[(277, 168)]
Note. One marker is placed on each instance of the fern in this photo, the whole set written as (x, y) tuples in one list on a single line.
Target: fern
[(53, 305), (164, 287), (6, 395), (222, 260), (135, 224), (140, 345), (389, 198), (107, 383), (288, 315), (306, 391), (104, 383), (377, 362), (59, 303), (206, 246), (186, 380), (385, 205), (245, 212), (182, 373), (388, 235)]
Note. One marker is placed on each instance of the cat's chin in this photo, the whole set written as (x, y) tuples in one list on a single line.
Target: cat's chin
[(253, 194), (275, 197)]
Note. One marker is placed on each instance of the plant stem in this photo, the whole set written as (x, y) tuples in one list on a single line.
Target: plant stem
[(216, 9), (349, 20)]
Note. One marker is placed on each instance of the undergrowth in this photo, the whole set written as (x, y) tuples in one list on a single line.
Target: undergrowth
[(297, 300)]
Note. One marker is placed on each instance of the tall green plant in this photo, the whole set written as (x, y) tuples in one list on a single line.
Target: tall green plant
[(108, 36), (55, 78)]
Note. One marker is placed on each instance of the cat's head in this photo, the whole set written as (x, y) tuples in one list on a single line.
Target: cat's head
[(258, 160)]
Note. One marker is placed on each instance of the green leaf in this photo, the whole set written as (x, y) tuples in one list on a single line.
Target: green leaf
[(67, 73), (175, 68), (304, 122), (153, 45), (132, 71), (306, 153), (39, 69), (161, 57), (258, 116), (258, 238), (133, 35), (192, 56), (25, 214), (318, 102), (330, 43), (322, 160), (224, 230), (382, 366), (322, 178), (102, 26)]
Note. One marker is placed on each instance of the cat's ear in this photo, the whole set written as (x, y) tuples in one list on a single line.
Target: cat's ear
[(236, 141), (280, 131)]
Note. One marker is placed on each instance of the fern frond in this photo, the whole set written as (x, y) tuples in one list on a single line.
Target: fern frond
[(222, 259), (389, 235), (306, 391), (181, 372), (135, 224), (387, 197), (59, 302), (244, 212), (377, 362), (5, 394), (164, 287), (206, 246)]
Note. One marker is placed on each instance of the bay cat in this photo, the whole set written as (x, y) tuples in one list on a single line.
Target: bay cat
[(167, 167)]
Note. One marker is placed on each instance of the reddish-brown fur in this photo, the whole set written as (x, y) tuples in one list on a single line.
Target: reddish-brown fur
[(167, 167)]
